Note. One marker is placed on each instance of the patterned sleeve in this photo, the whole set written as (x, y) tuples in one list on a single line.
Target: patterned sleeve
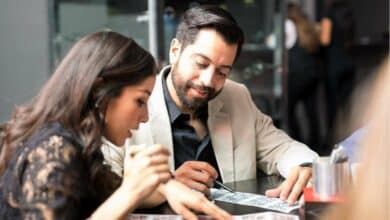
[(53, 180)]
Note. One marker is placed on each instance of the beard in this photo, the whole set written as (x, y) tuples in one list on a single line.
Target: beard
[(182, 86)]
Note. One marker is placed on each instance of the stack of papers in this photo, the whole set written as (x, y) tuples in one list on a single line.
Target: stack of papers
[(251, 199), (254, 216)]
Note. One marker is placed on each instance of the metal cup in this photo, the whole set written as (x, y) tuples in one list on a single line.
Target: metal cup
[(330, 178)]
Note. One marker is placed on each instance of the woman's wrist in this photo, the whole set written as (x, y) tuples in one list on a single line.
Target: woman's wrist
[(131, 193), (125, 200), (163, 188)]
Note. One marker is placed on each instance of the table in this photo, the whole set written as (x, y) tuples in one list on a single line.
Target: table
[(259, 186)]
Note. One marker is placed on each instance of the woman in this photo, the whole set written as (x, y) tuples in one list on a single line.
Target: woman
[(51, 165), (303, 75)]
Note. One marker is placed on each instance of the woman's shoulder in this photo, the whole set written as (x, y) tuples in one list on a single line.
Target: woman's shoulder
[(51, 136), (47, 163), (50, 143)]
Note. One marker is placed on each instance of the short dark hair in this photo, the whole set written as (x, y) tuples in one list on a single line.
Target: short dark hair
[(209, 16)]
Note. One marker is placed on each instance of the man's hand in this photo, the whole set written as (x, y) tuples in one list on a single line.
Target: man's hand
[(293, 186), (197, 175)]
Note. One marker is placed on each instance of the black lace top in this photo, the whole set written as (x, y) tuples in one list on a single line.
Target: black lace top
[(47, 179)]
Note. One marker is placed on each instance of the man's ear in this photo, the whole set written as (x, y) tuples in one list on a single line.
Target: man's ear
[(174, 51)]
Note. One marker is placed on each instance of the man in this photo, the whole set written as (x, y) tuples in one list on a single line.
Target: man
[(210, 123)]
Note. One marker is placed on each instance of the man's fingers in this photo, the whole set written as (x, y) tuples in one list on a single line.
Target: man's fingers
[(200, 187), (204, 167), (188, 174), (289, 183), (195, 175), (310, 183), (204, 178), (304, 176), (273, 192)]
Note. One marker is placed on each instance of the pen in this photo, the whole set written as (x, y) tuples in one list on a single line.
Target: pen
[(215, 181), (223, 186)]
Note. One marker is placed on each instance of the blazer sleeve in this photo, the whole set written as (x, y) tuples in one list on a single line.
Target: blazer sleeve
[(276, 152)]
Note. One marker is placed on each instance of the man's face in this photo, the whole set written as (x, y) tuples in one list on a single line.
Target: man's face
[(200, 70)]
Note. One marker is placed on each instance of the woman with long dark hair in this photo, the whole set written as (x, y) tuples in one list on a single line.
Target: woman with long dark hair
[(51, 165)]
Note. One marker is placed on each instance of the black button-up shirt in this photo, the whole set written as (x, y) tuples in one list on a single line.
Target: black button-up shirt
[(186, 144)]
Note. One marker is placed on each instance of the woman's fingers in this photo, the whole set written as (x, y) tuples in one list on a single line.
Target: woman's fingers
[(158, 178), (148, 163), (183, 211), (214, 211), (135, 149)]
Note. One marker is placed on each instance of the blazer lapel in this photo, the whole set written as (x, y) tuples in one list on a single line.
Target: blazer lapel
[(159, 118), (221, 139)]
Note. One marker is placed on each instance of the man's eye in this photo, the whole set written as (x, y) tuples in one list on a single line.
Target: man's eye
[(222, 74), (202, 65), (140, 102)]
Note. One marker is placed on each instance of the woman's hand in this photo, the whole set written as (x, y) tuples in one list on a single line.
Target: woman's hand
[(145, 169), (183, 199)]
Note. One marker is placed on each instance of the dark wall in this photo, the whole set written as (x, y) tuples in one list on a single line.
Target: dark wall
[(372, 18)]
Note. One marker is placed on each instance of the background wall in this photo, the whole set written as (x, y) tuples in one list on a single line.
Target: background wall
[(24, 51), (371, 18)]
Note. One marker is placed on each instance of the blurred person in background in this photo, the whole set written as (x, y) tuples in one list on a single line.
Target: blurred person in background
[(336, 36), (369, 198), (51, 165), (303, 76)]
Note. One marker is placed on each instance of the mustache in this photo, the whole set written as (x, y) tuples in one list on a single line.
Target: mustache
[(202, 88)]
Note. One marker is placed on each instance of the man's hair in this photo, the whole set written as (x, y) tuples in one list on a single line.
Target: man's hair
[(213, 17)]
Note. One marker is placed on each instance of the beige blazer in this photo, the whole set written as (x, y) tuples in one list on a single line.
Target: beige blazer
[(243, 138)]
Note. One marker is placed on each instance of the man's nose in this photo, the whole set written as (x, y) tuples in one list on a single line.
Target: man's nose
[(206, 77)]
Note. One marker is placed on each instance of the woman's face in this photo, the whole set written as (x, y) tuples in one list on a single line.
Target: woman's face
[(127, 111)]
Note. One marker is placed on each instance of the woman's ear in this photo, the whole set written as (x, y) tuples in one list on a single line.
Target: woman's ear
[(174, 51)]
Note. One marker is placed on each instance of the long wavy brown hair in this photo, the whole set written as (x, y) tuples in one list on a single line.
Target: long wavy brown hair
[(95, 69), (308, 37)]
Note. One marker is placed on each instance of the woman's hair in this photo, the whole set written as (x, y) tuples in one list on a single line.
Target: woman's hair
[(308, 37), (213, 17), (95, 69), (369, 197)]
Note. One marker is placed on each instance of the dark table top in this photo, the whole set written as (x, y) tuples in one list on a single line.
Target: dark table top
[(258, 186), (307, 212)]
